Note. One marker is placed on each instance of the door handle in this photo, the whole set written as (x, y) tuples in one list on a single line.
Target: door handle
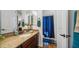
[(67, 36), (62, 35)]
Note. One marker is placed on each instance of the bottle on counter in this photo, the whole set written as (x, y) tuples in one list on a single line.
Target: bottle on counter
[(15, 32)]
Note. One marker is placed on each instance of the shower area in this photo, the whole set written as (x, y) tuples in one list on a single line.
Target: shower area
[(48, 29)]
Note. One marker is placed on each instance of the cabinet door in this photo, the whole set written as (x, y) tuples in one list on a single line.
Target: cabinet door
[(27, 43), (8, 21), (31, 43)]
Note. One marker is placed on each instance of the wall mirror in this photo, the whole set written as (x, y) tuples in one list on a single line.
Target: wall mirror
[(26, 19), (17, 20), (8, 21)]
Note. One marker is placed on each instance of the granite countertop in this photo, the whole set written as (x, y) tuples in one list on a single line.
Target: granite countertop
[(15, 41)]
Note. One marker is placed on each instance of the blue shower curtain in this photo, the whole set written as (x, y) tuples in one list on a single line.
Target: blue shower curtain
[(48, 26)]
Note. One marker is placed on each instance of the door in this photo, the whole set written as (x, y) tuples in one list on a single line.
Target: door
[(62, 29)]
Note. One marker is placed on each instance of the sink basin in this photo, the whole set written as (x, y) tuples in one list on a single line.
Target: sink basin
[(31, 31), (24, 35)]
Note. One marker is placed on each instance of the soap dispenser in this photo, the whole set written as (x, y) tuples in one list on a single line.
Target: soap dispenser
[(39, 22)]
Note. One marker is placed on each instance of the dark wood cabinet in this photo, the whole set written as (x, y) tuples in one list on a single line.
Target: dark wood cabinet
[(31, 43)]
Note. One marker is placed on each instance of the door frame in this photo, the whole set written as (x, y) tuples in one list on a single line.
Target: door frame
[(71, 27)]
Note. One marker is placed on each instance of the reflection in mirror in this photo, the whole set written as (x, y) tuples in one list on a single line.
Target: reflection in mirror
[(77, 23), (25, 20)]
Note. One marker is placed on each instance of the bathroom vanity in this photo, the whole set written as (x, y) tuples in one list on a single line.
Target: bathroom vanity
[(26, 40)]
